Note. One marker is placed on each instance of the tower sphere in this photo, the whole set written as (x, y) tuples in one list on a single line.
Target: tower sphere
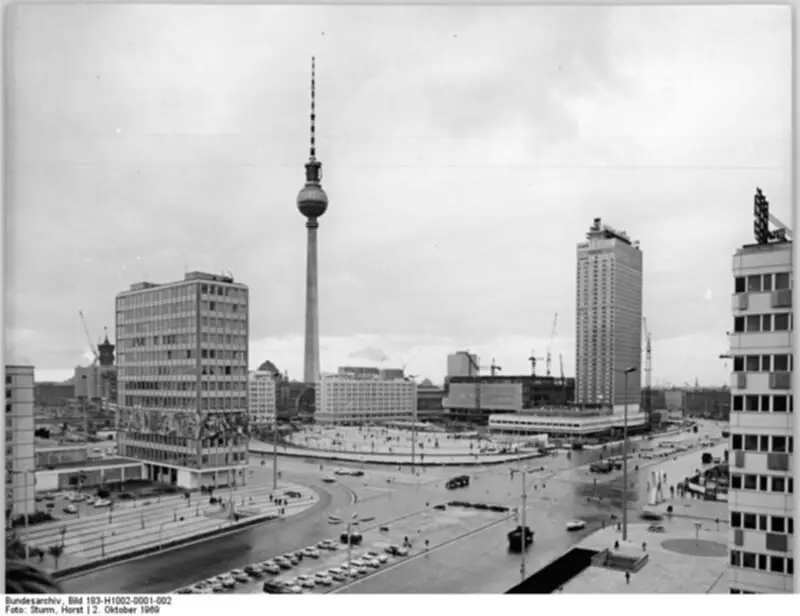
[(312, 201)]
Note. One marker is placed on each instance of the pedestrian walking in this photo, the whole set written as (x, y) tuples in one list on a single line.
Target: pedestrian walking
[(627, 577)]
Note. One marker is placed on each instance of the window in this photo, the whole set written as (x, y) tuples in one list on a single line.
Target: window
[(738, 363), (778, 484), (753, 323), (740, 284), (776, 564), (738, 403), (765, 363), (749, 521), (738, 324), (754, 284), (8, 379), (764, 443), (766, 323), (781, 363), (779, 444), (779, 404), (778, 524), (782, 281), (762, 522), (750, 442), (767, 286), (736, 519), (751, 403), (782, 322), (765, 404), (748, 560), (790, 566), (736, 482), (736, 442), (749, 482), (736, 558), (753, 363), (762, 562), (762, 483)]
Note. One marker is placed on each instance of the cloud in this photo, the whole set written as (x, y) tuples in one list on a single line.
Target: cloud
[(371, 353)]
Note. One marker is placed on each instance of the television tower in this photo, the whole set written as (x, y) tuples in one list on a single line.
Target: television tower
[(312, 203)]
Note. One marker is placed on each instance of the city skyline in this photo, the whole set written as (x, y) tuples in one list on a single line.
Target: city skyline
[(461, 187)]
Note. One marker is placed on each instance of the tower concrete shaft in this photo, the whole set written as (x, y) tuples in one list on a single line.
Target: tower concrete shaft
[(311, 358)]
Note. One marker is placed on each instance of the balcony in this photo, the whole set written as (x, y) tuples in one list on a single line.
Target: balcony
[(780, 380), (782, 298), (740, 301), (739, 380)]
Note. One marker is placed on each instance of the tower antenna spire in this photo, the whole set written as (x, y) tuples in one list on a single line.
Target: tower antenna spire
[(313, 151)]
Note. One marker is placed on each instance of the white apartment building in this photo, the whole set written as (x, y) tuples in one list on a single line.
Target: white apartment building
[(761, 498), (262, 399), (182, 379), (608, 313), (20, 452), (347, 400), (463, 363)]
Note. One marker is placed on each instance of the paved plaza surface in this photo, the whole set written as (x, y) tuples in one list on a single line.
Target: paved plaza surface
[(479, 562), (684, 559)]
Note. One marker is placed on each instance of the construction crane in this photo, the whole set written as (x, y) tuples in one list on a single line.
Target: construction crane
[(494, 368), (761, 230), (550, 344), (648, 371), (92, 347), (533, 359)]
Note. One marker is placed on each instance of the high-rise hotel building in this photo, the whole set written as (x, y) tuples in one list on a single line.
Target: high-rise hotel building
[(608, 314), (262, 390), (761, 497), (356, 400), (182, 379)]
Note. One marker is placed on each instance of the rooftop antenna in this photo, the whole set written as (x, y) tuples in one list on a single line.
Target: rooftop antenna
[(313, 148)]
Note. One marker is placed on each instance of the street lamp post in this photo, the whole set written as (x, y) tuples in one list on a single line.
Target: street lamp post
[(353, 520), (627, 371), (275, 451), (523, 517)]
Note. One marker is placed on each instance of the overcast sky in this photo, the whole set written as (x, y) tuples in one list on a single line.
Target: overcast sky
[(466, 151)]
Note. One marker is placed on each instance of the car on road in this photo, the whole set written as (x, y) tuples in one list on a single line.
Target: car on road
[(70, 509), (397, 550), (240, 576), (310, 553), (283, 563), (306, 581), (270, 567), (291, 558), (462, 481), (254, 571), (274, 588), (373, 555), (291, 586), (328, 480), (372, 563), (292, 494), (99, 504), (327, 544), (350, 472), (334, 519), (228, 581), (323, 580), (574, 525), (216, 587), (337, 574), (298, 555)]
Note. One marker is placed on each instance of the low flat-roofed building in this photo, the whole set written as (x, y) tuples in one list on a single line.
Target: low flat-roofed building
[(565, 422)]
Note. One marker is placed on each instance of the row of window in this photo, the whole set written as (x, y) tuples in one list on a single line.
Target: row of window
[(179, 292), (763, 363), (188, 323), (758, 283), (762, 483), (762, 562), (129, 372), (179, 354), (183, 386), (151, 402), (767, 523), (777, 443), (753, 323), (141, 341), (778, 403)]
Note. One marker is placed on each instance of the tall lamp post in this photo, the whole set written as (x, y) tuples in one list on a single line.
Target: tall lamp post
[(275, 451), (524, 475), (627, 371)]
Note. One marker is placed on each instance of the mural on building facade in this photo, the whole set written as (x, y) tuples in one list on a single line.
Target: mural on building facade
[(184, 424)]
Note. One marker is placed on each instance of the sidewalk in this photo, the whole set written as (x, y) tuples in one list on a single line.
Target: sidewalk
[(682, 560), (265, 449), (129, 528)]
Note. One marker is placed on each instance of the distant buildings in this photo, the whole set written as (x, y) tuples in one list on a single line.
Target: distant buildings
[(429, 402), (608, 318), (349, 400), (262, 398), (462, 364), (20, 442), (99, 380), (474, 399), (53, 394), (761, 497), (182, 379)]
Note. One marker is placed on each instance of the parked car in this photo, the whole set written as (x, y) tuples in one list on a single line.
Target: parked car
[(397, 550), (283, 563), (327, 544), (253, 571), (240, 576), (270, 567), (310, 553), (306, 581), (70, 509), (102, 503), (328, 480), (274, 588)]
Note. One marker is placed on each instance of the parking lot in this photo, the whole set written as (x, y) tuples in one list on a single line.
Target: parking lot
[(437, 527)]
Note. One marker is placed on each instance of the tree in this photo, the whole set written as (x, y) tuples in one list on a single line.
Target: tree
[(56, 551)]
